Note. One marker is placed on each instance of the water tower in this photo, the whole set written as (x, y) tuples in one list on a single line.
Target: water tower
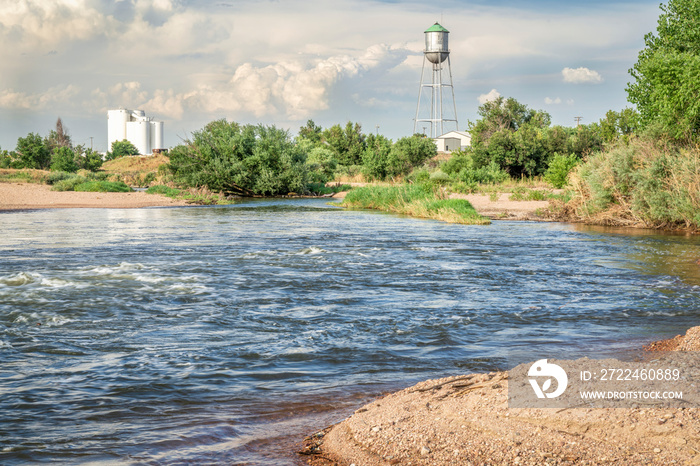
[(436, 53)]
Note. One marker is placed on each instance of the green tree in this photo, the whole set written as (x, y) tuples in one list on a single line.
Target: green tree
[(667, 73), (512, 136), (64, 159), (321, 163), (376, 156), (348, 143), (228, 157), (311, 132), (88, 159), (407, 153), (32, 152), (121, 149)]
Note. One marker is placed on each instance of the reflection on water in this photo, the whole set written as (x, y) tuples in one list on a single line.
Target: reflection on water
[(224, 334)]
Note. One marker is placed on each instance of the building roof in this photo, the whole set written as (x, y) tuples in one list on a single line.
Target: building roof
[(449, 134), (436, 28)]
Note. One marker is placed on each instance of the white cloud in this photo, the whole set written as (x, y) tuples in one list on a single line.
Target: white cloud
[(491, 95), (550, 101), (581, 75), (59, 95), (45, 22)]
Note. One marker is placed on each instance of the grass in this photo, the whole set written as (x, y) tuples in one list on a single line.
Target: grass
[(200, 196), (423, 201), (136, 170), (75, 182), (26, 175), (321, 188)]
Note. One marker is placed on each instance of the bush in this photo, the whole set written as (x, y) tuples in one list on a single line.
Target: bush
[(439, 177), (69, 183), (559, 168), (103, 187), (640, 183)]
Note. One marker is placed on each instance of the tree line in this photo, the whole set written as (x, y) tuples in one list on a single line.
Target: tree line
[(56, 152)]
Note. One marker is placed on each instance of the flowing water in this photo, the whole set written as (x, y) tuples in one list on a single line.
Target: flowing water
[(222, 335)]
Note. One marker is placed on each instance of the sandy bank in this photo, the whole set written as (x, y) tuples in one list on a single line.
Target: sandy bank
[(465, 420), (17, 196)]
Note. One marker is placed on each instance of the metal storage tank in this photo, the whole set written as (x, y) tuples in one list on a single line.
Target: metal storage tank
[(138, 113), (436, 45), (157, 135), (137, 132), (116, 126)]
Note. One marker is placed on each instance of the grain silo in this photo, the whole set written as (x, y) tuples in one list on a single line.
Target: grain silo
[(134, 126), (437, 52)]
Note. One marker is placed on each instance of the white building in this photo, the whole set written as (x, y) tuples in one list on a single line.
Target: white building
[(453, 141), (133, 125)]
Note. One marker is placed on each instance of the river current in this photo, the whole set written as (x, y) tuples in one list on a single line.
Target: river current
[(223, 335)]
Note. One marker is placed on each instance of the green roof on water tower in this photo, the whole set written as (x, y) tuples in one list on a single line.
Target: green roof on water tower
[(436, 28)]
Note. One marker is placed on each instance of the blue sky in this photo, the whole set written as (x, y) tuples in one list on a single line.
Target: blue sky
[(189, 62)]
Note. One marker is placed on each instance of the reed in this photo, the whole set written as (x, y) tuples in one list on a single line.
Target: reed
[(421, 200)]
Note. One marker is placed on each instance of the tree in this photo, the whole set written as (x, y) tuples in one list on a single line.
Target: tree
[(376, 156), (64, 159), (58, 137), (122, 148), (32, 152), (311, 132), (249, 160), (87, 159), (512, 136), (667, 72), (348, 143), (407, 153)]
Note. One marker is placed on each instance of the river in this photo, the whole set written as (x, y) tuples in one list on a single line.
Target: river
[(208, 335)]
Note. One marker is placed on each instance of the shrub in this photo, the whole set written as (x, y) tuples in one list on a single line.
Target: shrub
[(68, 184), (559, 168), (103, 187), (640, 183)]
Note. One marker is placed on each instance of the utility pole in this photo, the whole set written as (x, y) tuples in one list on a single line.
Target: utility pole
[(578, 121), (90, 142), (377, 130)]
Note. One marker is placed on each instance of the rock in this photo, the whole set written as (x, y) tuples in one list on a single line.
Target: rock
[(424, 451), (657, 450)]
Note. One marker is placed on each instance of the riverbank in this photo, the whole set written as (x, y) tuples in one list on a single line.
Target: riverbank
[(26, 196), (466, 420)]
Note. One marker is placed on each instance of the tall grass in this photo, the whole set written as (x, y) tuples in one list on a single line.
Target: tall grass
[(642, 183), (416, 200)]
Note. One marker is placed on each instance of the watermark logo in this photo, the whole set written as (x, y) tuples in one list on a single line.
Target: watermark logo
[(541, 369)]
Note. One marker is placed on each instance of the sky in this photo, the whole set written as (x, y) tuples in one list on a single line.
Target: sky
[(188, 62)]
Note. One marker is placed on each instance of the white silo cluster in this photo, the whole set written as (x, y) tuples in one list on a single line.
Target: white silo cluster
[(133, 125)]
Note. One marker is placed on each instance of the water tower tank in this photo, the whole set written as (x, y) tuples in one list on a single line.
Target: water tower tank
[(436, 47)]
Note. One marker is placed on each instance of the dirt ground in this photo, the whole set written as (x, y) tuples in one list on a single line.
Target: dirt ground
[(465, 420), (19, 196)]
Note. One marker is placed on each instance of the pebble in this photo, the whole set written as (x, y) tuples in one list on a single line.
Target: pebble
[(657, 450), (376, 429), (424, 451)]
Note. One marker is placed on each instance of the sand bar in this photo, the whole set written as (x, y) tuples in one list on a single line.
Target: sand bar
[(24, 196)]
